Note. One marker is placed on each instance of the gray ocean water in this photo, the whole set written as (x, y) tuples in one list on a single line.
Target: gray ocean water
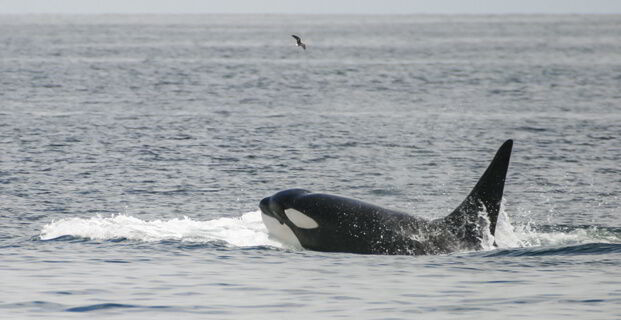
[(134, 151)]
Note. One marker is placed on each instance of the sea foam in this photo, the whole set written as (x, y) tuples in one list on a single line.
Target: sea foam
[(244, 231)]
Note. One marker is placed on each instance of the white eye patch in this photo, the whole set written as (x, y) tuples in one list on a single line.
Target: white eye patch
[(301, 220), (281, 232)]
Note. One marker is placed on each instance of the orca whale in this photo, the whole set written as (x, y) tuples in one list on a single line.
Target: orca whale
[(331, 223)]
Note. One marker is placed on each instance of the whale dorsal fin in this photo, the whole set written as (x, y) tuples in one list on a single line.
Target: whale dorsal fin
[(486, 194)]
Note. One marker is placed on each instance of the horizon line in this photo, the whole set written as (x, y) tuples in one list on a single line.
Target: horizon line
[(314, 13)]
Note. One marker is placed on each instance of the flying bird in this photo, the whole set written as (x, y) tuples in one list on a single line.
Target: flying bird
[(299, 41)]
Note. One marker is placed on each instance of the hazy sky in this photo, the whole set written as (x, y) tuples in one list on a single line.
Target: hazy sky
[(311, 6)]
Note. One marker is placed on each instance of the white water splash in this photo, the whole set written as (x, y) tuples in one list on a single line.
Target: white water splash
[(245, 231), (505, 236), (527, 235), (534, 238)]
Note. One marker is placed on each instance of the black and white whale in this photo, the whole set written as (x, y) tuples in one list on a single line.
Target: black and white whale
[(324, 222)]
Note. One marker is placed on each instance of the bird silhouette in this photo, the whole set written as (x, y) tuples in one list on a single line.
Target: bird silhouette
[(299, 41)]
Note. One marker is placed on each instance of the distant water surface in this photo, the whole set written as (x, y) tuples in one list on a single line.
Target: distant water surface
[(134, 151)]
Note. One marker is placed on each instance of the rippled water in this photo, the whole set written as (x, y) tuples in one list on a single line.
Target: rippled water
[(134, 151)]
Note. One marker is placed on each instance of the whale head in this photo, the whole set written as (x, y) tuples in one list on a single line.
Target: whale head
[(284, 222), (322, 222)]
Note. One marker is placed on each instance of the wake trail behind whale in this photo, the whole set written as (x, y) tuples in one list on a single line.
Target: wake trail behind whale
[(245, 231)]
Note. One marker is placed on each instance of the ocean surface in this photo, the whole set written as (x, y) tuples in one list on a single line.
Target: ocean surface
[(134, 151)]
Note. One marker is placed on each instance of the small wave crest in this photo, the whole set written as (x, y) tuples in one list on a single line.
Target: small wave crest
[(245, 231), (580, 249)]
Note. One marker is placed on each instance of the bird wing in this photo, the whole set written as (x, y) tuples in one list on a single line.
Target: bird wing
[(296, 38)]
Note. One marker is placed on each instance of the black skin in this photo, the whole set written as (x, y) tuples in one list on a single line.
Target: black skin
[(348, 225)]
